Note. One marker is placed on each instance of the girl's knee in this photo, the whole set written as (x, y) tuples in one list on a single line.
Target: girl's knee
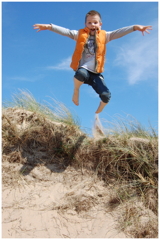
[(81, 75), (105, 96)]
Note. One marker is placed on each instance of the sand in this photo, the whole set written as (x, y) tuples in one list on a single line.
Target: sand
[(45, 204)]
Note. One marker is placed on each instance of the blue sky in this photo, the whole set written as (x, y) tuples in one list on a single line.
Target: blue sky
[(39, 62)]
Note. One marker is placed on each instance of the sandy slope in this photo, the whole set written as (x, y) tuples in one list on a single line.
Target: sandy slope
[(69, 204)]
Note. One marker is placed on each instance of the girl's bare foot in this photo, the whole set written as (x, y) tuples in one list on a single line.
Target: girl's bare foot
[(101, 106), (75, 97)]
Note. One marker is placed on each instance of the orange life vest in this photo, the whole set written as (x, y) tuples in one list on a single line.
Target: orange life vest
[(100, 39)]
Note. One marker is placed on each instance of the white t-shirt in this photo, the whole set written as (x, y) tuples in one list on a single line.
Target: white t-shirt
[(88, 56)]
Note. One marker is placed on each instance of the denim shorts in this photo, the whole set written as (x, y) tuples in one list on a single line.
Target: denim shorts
[(94, 80)]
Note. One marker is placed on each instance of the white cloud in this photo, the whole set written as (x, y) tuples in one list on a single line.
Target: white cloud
[(63, 65), (139, 57), (20, 79), (26, 79)]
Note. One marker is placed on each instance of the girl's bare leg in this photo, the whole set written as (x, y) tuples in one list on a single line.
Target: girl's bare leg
[(100, 107), (75, 97)]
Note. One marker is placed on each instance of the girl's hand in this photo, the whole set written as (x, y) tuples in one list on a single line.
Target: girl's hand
[(143, 29), (41, 27)]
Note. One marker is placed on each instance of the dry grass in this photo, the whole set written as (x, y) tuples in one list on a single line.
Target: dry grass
[(53, 110), (34, 134), (139, 222)]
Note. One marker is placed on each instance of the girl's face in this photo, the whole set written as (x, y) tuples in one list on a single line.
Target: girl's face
[(93, 23)]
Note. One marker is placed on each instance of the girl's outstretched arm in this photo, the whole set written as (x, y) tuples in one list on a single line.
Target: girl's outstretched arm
[(57, 29)]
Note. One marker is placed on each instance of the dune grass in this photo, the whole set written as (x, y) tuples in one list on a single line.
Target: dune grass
[(128, 127), (53, 110)]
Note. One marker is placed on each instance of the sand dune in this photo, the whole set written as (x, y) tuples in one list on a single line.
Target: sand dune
[(46, 196)]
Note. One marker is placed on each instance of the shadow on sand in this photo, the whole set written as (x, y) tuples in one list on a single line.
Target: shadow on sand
[(55, 161)]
